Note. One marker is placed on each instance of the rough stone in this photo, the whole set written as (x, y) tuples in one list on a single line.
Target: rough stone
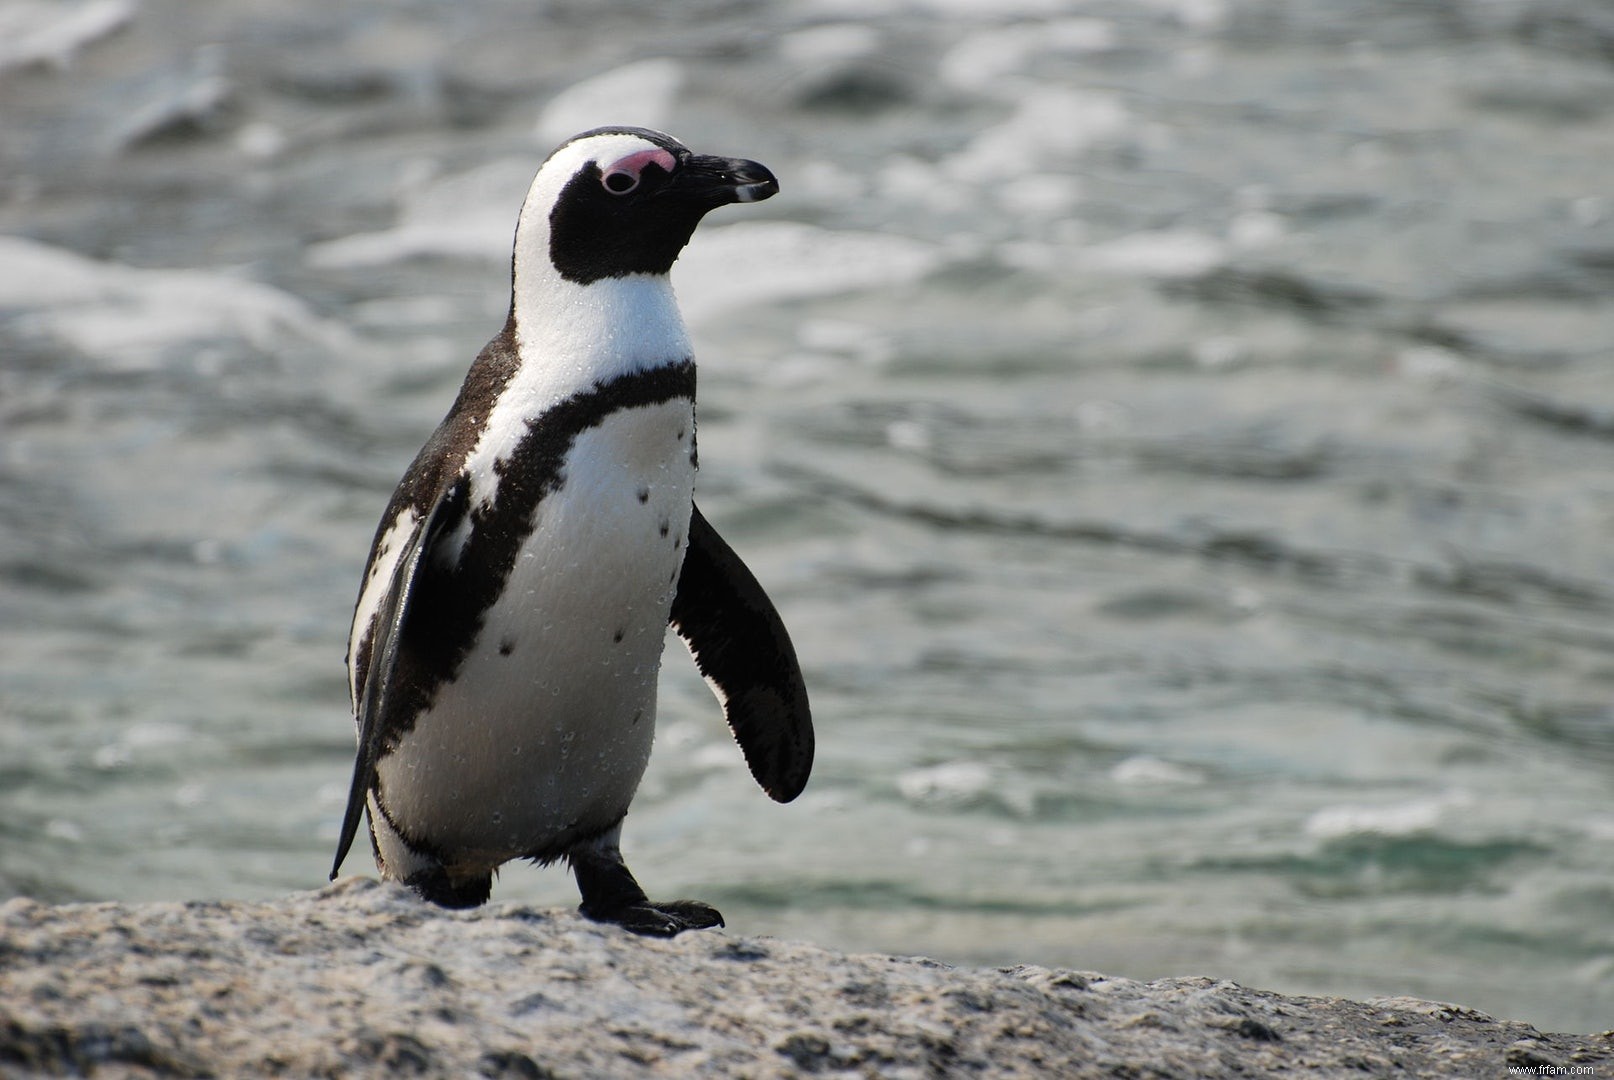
[(360, 979)]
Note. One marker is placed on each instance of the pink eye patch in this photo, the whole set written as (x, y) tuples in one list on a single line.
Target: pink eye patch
[(622, 175)]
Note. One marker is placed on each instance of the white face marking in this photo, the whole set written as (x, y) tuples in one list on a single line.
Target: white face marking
[(571, 336), (536, 279)]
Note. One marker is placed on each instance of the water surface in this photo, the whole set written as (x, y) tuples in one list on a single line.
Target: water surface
[(1178, 434)]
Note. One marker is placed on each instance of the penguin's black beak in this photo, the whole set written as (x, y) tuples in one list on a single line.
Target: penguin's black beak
[(718, 181)]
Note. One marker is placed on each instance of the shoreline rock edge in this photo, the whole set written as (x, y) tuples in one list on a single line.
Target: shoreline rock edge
[(360, 978)]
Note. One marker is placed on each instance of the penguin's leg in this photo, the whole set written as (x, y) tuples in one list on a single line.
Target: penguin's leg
[(422, 871), (435, 886), (610, 894)]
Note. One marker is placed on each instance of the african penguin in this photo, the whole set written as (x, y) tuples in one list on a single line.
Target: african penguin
[(509, 627)]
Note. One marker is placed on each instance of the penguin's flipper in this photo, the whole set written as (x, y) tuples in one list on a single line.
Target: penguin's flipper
[(742, 649), (377, 677)]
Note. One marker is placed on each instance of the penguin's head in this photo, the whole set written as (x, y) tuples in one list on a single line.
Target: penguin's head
[(619, 201)]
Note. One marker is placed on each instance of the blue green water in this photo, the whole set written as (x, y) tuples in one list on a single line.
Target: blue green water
[(1179, 435)]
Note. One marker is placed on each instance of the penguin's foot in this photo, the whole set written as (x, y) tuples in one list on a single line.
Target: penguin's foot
[(667, 919), (435, 886), (611, 895)]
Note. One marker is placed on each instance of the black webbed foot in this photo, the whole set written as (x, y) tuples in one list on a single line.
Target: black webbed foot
[(434, 885), (667, 919), (611, 895)]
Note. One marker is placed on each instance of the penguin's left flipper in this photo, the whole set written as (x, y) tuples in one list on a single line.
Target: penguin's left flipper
[(378, 673), (742, 649)]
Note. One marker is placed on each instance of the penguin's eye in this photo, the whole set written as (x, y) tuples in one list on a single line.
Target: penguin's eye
[(619, 183), (623, 175)]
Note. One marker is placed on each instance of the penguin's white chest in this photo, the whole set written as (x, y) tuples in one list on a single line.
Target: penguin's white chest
[(546, 729)]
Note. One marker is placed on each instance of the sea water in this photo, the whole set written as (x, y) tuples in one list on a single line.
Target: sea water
[(1179, 435)]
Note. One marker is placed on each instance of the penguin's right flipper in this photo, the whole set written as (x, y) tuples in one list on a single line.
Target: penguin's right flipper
[(377, 677), (742, 649)]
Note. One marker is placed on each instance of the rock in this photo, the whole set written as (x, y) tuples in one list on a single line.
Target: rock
[(362, 979)]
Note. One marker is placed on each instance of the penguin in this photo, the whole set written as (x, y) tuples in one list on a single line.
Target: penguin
[(508, 633)]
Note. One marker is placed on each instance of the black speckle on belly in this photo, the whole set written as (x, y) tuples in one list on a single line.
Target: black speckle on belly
[(644, 495), (666, 527), (507, 646), (618, 636)]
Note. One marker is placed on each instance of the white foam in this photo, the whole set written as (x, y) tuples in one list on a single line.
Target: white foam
[(1217, 352), (1395, 819), (1429, 363), (640, 93), (860, 341), (133, 315), (469, 215), (1146, 771), (1256, 229), (1165, 253), (63, 829), (983, 10), (54, 33), (836, 43), (950, 782), (908, 180), (1589, 210), (716, 756), (826, 183), (1600, 828), (910, 435), (189, 796), (34, 275), (1194, 14), (194, 97), (959, 783), (261, 140), (1049, 124), (981, 61), (767, 261), (1043, 196), (167, 308)]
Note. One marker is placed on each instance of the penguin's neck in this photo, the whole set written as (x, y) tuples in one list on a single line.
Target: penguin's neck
[(571, 337)]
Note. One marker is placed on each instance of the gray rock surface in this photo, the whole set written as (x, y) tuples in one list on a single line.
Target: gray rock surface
[(360, 979)]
